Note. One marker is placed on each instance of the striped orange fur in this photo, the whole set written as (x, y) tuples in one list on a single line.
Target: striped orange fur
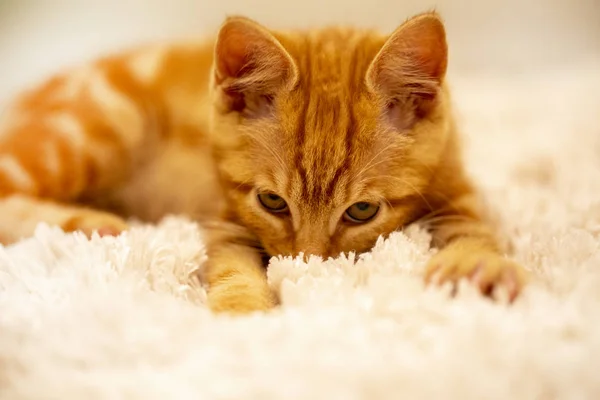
[(311, 142)]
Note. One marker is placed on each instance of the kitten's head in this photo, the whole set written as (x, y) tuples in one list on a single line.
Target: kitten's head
[(327, 139)]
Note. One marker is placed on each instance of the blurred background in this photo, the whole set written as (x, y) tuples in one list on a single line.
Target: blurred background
[(38, 37)]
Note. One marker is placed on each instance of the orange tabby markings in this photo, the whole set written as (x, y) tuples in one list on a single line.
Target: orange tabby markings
[(74, 137), (117, 109), (355, 118), (67, 125), (324, 120), (16, 178), (52, 159), (70, 87), (146, 64), (10, 120)]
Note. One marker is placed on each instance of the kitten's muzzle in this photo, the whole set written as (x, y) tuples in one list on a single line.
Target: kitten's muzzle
[(320, 250)]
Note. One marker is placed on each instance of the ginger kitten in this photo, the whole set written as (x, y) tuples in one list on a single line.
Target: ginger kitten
[(278, 142)]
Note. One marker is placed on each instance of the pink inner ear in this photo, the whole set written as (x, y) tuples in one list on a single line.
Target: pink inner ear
[(232, 54), (428, 52), (401, 116), (413, 60), (249, 57), (258, 106)]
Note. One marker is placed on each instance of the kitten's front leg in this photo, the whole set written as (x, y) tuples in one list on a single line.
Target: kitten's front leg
[(235, 274), (470, 250)]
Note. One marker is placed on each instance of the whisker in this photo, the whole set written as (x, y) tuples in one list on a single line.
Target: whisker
[(369, 165), (448, 202), (242, 183), (387, 202), (446, 218), (256, 137), (440, 215), (434, 213), (405, 182), (422, 164)]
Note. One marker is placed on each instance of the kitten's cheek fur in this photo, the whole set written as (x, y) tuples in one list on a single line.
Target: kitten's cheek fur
[(274, 249)]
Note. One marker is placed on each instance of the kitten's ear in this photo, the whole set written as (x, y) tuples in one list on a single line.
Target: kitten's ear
[(412, 61), (249, 60)]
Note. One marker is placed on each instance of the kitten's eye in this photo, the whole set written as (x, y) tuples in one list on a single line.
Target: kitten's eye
[(272, 202), (361, 212)]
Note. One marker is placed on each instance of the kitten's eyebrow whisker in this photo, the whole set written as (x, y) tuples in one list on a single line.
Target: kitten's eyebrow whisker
[(370, 163), (386, 201), (448, 201), (405, 182), (256, 136), (244, 182), (372, 166), (446, 218), (427, 167), (434, 216)]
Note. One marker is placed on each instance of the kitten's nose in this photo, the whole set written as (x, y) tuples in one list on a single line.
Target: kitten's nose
[(312, 240), (313, 248)]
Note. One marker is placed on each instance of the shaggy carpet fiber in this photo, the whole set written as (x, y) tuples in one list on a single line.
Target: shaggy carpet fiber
[(118, 318)]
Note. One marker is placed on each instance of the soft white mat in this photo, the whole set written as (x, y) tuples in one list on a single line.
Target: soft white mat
[(116, 318)]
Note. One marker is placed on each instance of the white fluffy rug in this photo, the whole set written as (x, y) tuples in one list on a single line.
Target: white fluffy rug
[(116, 318)]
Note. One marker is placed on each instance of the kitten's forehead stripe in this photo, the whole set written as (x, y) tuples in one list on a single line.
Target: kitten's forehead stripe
[(330, 78), (350, 128), (301, 123)]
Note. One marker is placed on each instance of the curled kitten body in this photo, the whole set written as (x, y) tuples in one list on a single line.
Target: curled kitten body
[(313, 142)]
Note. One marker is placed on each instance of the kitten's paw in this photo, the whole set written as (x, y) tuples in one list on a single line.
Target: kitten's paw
[(90, 221), (487, 270), (238, 295)]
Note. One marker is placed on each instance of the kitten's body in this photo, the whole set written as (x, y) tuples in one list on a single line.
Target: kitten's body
[(127, 133), (324, 120)]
